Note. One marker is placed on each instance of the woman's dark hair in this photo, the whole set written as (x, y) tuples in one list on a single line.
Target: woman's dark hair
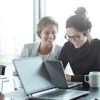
[(79, 21)]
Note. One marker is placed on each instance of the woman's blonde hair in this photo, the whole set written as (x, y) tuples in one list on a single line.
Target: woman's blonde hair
[(45, 21)]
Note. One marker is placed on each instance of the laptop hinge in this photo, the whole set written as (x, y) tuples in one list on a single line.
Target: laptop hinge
[(40, 93)]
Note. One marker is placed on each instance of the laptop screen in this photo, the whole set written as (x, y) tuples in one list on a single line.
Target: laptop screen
[(55, 69), (33, 74)]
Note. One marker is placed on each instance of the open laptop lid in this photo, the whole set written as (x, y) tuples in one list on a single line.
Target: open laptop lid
[(56, 73), (33, 74)]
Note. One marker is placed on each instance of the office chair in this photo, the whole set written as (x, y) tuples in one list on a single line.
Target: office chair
[(2, 69), (2, 72)]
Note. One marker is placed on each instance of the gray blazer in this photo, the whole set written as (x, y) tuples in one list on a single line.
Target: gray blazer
[(31, 50)]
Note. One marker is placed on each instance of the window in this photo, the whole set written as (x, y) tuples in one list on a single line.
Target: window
[(16, 25), (61, 10), (16, 28)]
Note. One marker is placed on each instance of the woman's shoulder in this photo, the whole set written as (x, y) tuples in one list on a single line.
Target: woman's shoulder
[(31, 44), (57, 46), (95, 42), (67, 44)]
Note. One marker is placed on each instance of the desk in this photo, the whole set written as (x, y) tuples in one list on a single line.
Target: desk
[(94, 93), (8, 86), (10, 83)]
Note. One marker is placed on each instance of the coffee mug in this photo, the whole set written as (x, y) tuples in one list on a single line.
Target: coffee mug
[(93, 79)]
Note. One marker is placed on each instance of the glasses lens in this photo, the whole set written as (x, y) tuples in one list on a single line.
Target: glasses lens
[(76, 38)]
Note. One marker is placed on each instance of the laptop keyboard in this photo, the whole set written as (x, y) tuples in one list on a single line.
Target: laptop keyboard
[(72, 84), (56, 93), (69, 83)]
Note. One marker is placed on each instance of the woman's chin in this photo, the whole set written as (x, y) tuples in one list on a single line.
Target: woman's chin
[(77, 46), (50, 43)]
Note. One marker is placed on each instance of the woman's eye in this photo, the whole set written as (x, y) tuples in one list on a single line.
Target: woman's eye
[(69, 36), (54, 32), (47, 33), (77, 36)]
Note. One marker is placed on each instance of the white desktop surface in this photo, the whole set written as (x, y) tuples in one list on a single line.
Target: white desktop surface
[(17, 95), (8, 89)]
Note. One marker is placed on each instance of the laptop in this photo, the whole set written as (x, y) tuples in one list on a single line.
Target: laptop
[(37, 82), (55, 69)]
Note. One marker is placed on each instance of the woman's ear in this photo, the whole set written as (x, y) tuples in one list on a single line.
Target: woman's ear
[(39, 34), (87, 31), (88, 35)]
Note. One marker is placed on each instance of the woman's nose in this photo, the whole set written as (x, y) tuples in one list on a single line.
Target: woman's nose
[(51, 35)]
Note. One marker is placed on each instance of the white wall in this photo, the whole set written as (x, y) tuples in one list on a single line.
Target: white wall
[(62, 9)]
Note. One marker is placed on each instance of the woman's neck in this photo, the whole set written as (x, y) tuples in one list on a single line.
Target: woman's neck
[(44, 49), (85, 39)]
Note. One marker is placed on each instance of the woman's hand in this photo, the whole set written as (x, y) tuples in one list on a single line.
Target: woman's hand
[(1, 96), (68, 77)]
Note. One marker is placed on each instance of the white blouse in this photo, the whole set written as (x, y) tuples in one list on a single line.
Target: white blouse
[(45, 57)]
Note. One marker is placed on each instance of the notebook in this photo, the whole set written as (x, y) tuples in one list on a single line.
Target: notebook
[(55, 70), (37, 82)]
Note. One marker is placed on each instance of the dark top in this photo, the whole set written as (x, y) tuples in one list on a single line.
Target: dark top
[(82, 60)]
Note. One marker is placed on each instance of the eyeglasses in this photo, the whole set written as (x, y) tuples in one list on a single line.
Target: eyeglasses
[(75, 37)]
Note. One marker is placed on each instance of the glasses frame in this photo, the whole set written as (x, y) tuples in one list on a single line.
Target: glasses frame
[(69, 38)]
